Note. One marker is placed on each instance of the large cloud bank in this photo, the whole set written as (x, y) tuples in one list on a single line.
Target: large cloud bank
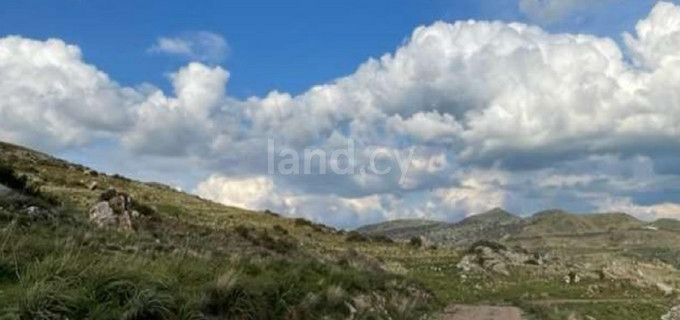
[(498, 115)]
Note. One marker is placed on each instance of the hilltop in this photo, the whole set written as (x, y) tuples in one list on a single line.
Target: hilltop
[(465, 231), (401, 229)]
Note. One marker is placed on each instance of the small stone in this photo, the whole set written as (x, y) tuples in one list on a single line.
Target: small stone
[(93, 185), (38, 213)]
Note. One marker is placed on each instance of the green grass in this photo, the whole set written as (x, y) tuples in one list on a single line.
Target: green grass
[(540, 297), (195, 259), (59, 273), (65, 268)]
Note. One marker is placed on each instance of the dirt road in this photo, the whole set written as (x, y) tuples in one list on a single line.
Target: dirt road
[(460, 312)]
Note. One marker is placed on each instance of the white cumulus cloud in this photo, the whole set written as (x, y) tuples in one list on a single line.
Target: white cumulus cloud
[(52, 99), (195, 46), (549, 11), (499, 114)]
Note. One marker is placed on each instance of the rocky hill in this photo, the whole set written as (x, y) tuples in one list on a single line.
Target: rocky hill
[(82, 244), (555, 222), (489, 225), (401, 229), (533, 231)]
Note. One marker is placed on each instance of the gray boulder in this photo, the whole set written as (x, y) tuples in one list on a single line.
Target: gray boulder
[(673, 314), (4, 190), (496, 258), (93, 185), (114, 211), (39, 213)]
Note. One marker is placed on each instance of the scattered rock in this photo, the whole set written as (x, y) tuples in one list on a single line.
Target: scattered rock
[(673, 314), (39, 213), (114, 211), (666, 289), (93, 185), (496, 258), (572, 278)]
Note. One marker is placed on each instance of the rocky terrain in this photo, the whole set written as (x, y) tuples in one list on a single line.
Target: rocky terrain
[(558, 265), (76, 243), (81, 244)]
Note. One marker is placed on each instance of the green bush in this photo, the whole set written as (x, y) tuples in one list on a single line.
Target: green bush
[(356, 237), (10, 179), (303, 222), (279, 229), (381, 239)]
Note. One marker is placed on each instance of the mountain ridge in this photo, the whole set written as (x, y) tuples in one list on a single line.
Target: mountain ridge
[(498, 223)]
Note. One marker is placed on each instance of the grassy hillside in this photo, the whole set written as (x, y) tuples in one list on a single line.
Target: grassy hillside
[(666, 224), (188, 258), (488, 225), (556, 222), (627, 269), (401, 229)]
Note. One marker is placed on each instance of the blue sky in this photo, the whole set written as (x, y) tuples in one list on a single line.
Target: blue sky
[(274, 45), (522, 104)]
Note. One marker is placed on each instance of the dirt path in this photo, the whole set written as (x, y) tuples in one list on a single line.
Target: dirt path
[(460, 312), (589, 301)]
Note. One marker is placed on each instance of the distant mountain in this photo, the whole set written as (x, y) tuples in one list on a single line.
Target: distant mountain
[(491, 225), (401, 229), (493, 216), (666, 224), (555, 222), (500, 225), (487, 225)]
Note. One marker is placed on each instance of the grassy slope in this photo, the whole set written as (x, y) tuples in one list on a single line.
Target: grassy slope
[(195, 259), (580, 242), (488, 225), (207, 260), (401, 229)]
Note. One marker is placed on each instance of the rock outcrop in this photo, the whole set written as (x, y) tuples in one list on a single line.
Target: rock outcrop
[(496, 258), (115, 210), (673, 314)]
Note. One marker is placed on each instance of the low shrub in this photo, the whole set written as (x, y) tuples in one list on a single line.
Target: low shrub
[(381, 239), (303, 222), (10, 179), (356, 237), (279, 229)]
